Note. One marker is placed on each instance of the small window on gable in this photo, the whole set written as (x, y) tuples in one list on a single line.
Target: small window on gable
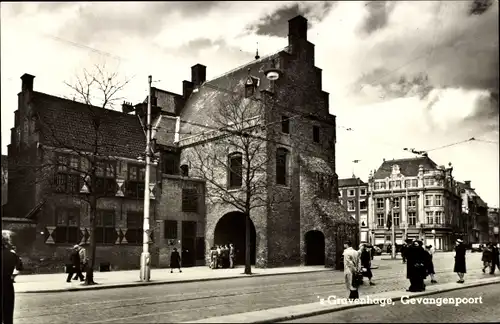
[(185, 170), (235, 170), (282, 166), (285, 125), (316, 134)]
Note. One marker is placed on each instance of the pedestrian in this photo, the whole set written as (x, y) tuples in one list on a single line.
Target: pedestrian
[(415, 266), (351, 270), (74, 265), (495, 260), (366, 263), (232, 255), (83, 259), (487, 257), (219, 256), (430, 263), (460, 266), (211, 257), (10, 261), (175, 261), (403, 251)]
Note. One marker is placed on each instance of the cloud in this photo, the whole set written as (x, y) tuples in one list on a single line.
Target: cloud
[(276, 23), (377, 15)]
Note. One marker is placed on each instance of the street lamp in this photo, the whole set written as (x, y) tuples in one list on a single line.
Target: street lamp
[(434, 237), (145, 273)]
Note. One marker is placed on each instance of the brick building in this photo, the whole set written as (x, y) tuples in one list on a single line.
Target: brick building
[(308, 226), (474, 215), (424, 197), (353, 194)]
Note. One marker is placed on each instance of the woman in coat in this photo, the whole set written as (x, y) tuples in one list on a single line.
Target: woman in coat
[(430, 264), (10, 261), (460, 267), (415, 266), (175, 261)]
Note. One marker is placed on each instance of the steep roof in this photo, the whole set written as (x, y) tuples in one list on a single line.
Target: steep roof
[(67, 123), (407, 167), (351, 182), (202, 104)]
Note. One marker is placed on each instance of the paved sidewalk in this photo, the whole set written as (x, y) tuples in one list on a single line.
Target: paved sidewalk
[(43, 283), (306, 310)]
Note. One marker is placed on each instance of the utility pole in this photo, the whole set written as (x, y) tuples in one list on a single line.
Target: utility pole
[(145, 256), (393, 234), (406, 212)]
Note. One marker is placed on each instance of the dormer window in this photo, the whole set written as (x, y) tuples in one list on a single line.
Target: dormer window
[(251, 85)]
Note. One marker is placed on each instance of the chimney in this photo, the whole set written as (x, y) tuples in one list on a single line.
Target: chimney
[(187, 88), (198, 74), (127, 107), (27, 84), (297, 32), (467, 183)]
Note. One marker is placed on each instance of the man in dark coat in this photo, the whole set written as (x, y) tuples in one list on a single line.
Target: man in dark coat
[(10, 261), (403, 251), (494, 258), (366, 263), (74, 265), (460, 267), (175, 261), (415, 266)]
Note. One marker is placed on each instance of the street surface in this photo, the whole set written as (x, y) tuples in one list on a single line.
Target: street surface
[(488, 311), (198, 300)]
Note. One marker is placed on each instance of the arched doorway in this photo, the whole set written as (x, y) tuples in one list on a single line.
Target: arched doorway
[(315, 248), (231, 229)]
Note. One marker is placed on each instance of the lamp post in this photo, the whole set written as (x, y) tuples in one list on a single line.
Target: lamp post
[(145, 273), (434, 237)]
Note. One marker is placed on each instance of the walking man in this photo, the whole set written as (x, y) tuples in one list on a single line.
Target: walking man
[(494, 259), (366, 263), (351, 269), (487, 257), (75, 265), (460, 266), (175, 261), (83, 259), (232, 254), (430, 264)]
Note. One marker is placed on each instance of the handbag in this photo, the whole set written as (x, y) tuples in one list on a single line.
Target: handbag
[(357, 279)]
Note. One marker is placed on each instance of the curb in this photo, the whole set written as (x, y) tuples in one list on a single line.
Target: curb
[(156, 283), (273, 315)]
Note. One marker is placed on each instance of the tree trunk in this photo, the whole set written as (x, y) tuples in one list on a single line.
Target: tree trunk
[(89, 278), (248, 259)]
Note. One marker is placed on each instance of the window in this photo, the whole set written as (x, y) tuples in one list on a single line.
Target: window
[(170, 229), (106, 173), (350, 205), (412, 218), (249, 90), (438, 217), (429, 218), (316, 134), (235, 170), (105, 232), (67, 225), (324, 185), (340, 193), (428, 181), (362, 192), (395, 184), (281, 166), (285, 125), (380, 185), (380, 220), (438, 200), (350, 193), (412, 201), (190, 200), (428, 200), (396, 219), (67, 178), (362, 205), (170, 163), (396, 202), (135, 181), (380, 203), (134, 233), (185, 170)]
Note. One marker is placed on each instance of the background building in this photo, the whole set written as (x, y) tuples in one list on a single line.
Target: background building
[(474, 215), (353, 195), (494, 224), (423, 197)]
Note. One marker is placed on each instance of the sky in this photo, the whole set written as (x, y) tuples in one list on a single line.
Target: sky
[(415, 74)]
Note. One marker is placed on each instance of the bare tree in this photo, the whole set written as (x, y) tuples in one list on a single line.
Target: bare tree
[(91, 156)]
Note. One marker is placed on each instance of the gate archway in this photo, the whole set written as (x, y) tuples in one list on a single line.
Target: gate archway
[(231, 229), (315, 248)]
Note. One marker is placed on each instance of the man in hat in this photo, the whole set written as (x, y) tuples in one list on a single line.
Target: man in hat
[(460, 267), (75, 264), (83, 259)]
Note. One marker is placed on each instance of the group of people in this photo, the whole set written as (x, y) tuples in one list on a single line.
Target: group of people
[(419, 264), (78, 263), (491, 258), (222, 256), (357, 265)]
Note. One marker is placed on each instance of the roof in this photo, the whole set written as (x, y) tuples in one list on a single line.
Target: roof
[(68, 124), (201, 105), (407, 167), (351, 182)]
